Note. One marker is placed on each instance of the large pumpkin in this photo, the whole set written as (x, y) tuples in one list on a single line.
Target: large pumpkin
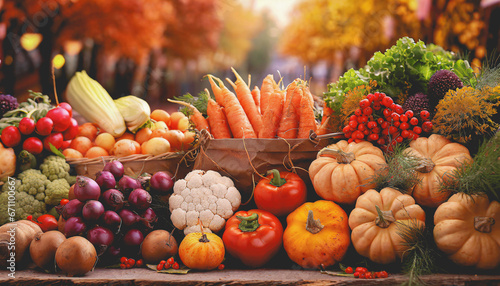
[(467, 229), (342, 171), (377, 220), (439, 157), (317, 234)]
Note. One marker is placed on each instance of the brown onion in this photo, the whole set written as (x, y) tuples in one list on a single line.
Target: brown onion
[(43, 248), (76, 256)]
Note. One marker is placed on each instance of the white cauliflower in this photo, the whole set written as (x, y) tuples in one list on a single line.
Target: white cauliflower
[(203, 197)]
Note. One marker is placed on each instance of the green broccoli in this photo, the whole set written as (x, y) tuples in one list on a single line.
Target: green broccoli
[(56, 191), (55, 167), (25, 204), (33, 183)]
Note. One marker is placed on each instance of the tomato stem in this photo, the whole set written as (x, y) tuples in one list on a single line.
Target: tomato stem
[(248, 223), (277, 180)]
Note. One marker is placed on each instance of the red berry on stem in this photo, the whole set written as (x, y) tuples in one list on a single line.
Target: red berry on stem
[(349, 270), (220, 267), (395, 116), (376, 130), (387, 101), (175, 265), (409, 113), (405, 133), (123, 259), (368, 111), (403, 118), (424, 114), (124, 266), (404, 126), (399, 139), (358, 112), (170, 260), (381, 141), (396, 123), (364, 103), (398, 108), (346, 129), (377, 106), (353, 118), (414, 121), (353, 124), (380, 120), (427, 126), (393, 129), (159, 267), (417, 129), (373, 137), (356, 274)]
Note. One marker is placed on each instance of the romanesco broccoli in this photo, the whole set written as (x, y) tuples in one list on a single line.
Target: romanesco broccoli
[(33, 183), (25, 204), (55, 167), (56, 191)]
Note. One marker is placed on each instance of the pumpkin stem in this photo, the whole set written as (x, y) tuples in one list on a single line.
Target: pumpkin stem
[(483, 223), (385, 218), (313, 225), (339, 155), (276, 181), (425, 165), (204, 238), (248, 223)]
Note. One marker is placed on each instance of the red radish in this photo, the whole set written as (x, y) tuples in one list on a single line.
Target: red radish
[(55, 139), (66, 106), (33, 145), (11, 136), (60, 117), (44, 126), (27, 126), (72, 130)]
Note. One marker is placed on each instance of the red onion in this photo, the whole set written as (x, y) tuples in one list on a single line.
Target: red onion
[(116, 168), (161, 182), (114, 250), (144, 180), (127, 184), (113, 199), (112, 220), (92, 210), (133, 237), (70, 209), (105, 180), (101, 238), (149, 218), (139, 199), (86, 189), (129, 217), (74, 226)]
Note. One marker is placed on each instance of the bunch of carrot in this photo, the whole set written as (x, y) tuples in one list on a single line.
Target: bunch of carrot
[(265, 112)]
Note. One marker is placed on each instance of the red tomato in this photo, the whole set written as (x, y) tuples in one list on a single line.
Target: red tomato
[(55, 139), (46, 222), (44, 126), (33, 145), (60, 117), (253, 236), (72, 130), (280, 193), (27, 126), (11, 136)]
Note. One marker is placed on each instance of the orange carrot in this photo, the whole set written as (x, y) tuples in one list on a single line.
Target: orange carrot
[(246, 100), (238, 121), (289, 123), (327, 111), (199, 121), (272, 116), (217, 119), (256, 98), (307, 121), (267, 89)]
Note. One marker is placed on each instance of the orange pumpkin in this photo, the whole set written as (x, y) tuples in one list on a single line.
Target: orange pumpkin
[(439, 157), (342, 171), (317, 234), (374, 223), (202, 251), (467, 229)]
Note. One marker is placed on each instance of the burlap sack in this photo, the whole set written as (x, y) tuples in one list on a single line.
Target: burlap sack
[(240, 159)]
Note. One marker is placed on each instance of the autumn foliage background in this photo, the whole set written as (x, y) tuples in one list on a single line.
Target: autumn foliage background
[(157, 49)]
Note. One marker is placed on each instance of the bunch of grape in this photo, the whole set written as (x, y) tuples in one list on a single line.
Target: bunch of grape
[(385, 123)]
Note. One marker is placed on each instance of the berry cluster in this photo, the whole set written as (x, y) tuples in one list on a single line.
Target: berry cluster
[(363, 273), (380, 120), (170, 263), (127, 263)]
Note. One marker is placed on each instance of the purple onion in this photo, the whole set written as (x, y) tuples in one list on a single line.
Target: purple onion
[(133, 238), (116, 168), (92, 210), (149, 218), (129, 217), (139, 199), (86, 189), (101, 238), (74, 226), (105, 180), (127, 184), (112, 220), (113, 199), (71, 209), (144, 180), (161, 182)]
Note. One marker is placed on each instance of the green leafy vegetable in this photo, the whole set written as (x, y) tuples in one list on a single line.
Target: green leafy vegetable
[(200, 102)]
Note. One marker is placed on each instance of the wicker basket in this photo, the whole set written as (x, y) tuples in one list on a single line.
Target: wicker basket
[(174, 162)]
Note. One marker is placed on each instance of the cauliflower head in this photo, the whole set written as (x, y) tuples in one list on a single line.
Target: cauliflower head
[(56, 191), (34, 183), (55, 167), (204, 196), (24, 203)]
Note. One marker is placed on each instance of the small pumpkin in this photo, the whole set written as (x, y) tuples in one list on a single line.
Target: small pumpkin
[(439, 156), (467, 229), (202, 251), (342, 171), (317, 234), (374, 223)]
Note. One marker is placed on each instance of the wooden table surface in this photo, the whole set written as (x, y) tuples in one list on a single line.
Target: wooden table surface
[(143, 276)]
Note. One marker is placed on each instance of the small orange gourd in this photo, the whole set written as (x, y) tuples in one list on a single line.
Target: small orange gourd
[(317, 234), (342, 171), (202, 251), (374, 223), (467, 230), (439, 157)]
